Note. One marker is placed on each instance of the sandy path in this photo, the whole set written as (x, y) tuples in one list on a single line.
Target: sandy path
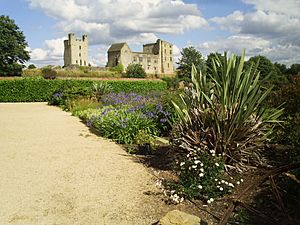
[(54, 171)]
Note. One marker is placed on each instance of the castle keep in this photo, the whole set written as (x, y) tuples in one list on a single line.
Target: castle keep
[(156, 58), (76, 51)]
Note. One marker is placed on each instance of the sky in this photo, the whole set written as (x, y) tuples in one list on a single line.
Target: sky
[(262, 27)]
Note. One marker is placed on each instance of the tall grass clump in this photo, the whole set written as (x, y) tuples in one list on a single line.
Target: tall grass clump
[(223, 114)]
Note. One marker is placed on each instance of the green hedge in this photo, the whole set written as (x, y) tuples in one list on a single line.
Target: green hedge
[(39, 89)]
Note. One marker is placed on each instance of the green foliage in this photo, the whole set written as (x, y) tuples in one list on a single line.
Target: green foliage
[(172, 82), (209, 62), (200, 174), (289, 96), (270, 73), (135, 71), (189, 56), (224, 114), (119, 124), (38, 90), (281, 67), (49, 73), (118, 68), (13, 53), (100, 89), (294, 69), (31, 66)]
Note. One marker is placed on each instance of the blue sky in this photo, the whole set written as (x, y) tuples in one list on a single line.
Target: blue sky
[(265, 27)]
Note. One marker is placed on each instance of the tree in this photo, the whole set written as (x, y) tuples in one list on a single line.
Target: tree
[(135, 71), (31, 66), (267, 70), (13, 53), (189, 56), (294, 69), (281, 67), (209, 61)]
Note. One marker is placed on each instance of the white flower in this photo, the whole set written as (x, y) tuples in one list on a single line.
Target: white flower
[(200, 186), (208, 201), (222, 181), (211, 199), (182, 198), (216, 180), (201, 174), (201, 165), (238, 182), (226, 182), (221, 189), (212, 151), (213, 155), (231, 185), (201, 170), (217, 164), (197, 161), (194, 166), (182, 163), (242, 180), (172, 192)]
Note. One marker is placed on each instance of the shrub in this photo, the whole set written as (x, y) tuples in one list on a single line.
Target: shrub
[(225, 114), (119, 124), (100, 89), (221, 120), (135, 71), (49, 73), (31, 66), (37, 89), (150, 107), (118, 68)]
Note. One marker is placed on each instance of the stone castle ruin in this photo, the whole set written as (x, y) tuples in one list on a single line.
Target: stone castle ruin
[(76, 51), (156, 58)]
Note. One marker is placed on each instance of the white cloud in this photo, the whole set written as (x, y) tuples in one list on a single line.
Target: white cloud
[(274, 21), (108, 21), (50, 54)]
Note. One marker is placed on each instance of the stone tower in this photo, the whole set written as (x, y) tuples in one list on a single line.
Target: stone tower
[(166, 56), (76, 51)]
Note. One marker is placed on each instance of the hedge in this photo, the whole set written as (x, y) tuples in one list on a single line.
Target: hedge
[(39, 89)]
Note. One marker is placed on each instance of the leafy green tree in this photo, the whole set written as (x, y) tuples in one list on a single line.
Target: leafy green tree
[(13, 53), (282, 67), (209, 61), (189, 56), (294, 69), (267, 70), (135, 71), (31, 66)]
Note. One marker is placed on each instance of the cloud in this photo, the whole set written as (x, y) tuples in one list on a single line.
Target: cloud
[(108, 20), (50, 54), (276, 22)]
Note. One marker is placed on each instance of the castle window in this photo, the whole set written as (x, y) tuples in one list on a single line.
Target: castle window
[(165, 51), (149, 60), (168, 65), (148, 67), (155, 61), (165, 58), (141, 59), (171, 59), (134, 59), (171, 52), (76, 61), (79, 47), (79, 54), (154, 68), (80, 62)]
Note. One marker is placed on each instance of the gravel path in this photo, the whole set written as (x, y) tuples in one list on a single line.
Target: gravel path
[(53, 170)]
